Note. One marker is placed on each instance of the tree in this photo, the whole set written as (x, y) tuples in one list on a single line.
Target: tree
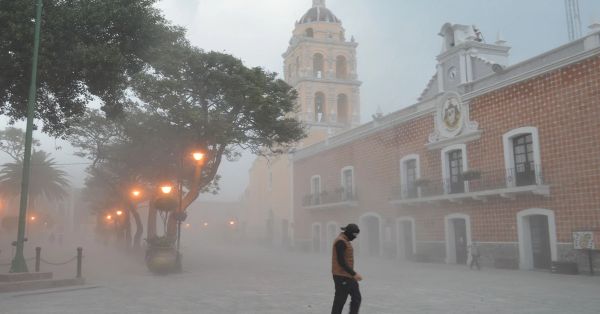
[(197, 100), (46, 179), (211, 100), (12, 142), (89, 50)]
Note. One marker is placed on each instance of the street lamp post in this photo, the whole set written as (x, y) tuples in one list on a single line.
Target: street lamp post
[(199, 158), (18, 264)]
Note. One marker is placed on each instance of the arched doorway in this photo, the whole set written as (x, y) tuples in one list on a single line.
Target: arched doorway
[(316, 237), (332, 233), (537, 238), (406, 238), (458, 238), (370, 235)]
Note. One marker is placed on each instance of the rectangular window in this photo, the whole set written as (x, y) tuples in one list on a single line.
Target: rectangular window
[(315, 191), (524, 163), (411, 178), (348, 192), (455, 162)]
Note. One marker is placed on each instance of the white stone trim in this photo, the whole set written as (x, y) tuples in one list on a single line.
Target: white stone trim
[(446, 166), (343, 183), (312, 236), (403, 179), (524, 235), (449, 233), (312, 187), (509, 159), (398, 236), (362, 244)]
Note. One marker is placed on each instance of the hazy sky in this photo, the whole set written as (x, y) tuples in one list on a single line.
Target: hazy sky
[(398, 44)]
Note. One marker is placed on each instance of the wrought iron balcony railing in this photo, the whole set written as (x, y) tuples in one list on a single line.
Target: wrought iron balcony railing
[(472, 181), (329, 197)]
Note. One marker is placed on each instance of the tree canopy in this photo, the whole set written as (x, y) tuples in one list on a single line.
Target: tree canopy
[(46, 179), (205, 100), (89, 50)]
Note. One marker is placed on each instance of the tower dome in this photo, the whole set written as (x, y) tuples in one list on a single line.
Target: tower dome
[(319, 13)]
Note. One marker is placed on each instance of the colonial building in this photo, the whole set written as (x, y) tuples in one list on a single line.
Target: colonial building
[(506, 156), (320, 63)]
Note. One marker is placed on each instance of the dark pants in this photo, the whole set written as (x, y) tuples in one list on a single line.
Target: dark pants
[(475, 261), (345, 286)]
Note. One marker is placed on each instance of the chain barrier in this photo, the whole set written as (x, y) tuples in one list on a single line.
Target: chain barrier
[(58, 264)]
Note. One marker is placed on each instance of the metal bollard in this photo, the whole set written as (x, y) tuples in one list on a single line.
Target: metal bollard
[(79, 260), (38, 254)]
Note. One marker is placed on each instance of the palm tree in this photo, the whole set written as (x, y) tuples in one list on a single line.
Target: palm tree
[(45, 179)]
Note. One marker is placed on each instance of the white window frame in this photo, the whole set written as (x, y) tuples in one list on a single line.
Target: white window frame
[(312, 186), (351, 168), (446, 167), (509, 154), (403, 178)]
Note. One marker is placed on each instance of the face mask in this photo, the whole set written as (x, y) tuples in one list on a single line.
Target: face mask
[(351, 236)]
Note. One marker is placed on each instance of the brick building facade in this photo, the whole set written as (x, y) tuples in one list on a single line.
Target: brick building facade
[(506, 157)]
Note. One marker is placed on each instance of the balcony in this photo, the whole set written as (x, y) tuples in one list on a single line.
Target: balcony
[(339, 198), (473, 185)]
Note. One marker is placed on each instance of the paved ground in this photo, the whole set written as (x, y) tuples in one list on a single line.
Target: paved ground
[(247, 280)]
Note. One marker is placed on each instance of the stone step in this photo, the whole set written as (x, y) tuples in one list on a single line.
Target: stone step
[(15, 277), (39, 284)]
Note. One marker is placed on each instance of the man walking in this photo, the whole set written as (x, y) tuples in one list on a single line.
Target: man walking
[(345, 278), (475, 254)]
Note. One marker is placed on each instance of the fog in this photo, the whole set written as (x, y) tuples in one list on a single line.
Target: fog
[(460, 187)]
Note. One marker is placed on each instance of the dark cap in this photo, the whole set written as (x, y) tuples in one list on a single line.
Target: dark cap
[(352, 228)]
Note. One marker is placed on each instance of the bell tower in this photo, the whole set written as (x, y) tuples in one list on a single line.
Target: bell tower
[(320, 63)]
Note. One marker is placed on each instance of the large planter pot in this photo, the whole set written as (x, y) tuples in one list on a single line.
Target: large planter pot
[(166, 203), (161, 260)]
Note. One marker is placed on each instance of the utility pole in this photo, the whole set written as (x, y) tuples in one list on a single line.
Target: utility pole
[(18, 263), (573, 19)]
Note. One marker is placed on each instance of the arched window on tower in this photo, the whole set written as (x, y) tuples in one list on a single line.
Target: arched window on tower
[(342, 109), (341, 69), (297, 66), (289, 72), (319, 107), (310, 32), (318, 65)]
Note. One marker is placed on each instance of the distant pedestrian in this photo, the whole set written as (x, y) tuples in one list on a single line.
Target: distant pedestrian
[(345, 278), (475, 254)]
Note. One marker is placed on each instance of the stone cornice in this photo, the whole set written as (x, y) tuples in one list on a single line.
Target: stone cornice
[(416, 111), (325, 42), (325, 81), (527, 75)]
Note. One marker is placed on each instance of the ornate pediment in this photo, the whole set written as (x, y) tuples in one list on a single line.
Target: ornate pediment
[(452, 122)]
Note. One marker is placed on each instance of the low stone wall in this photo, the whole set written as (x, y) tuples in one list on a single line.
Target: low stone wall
[(499, 255), (566, 253)]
